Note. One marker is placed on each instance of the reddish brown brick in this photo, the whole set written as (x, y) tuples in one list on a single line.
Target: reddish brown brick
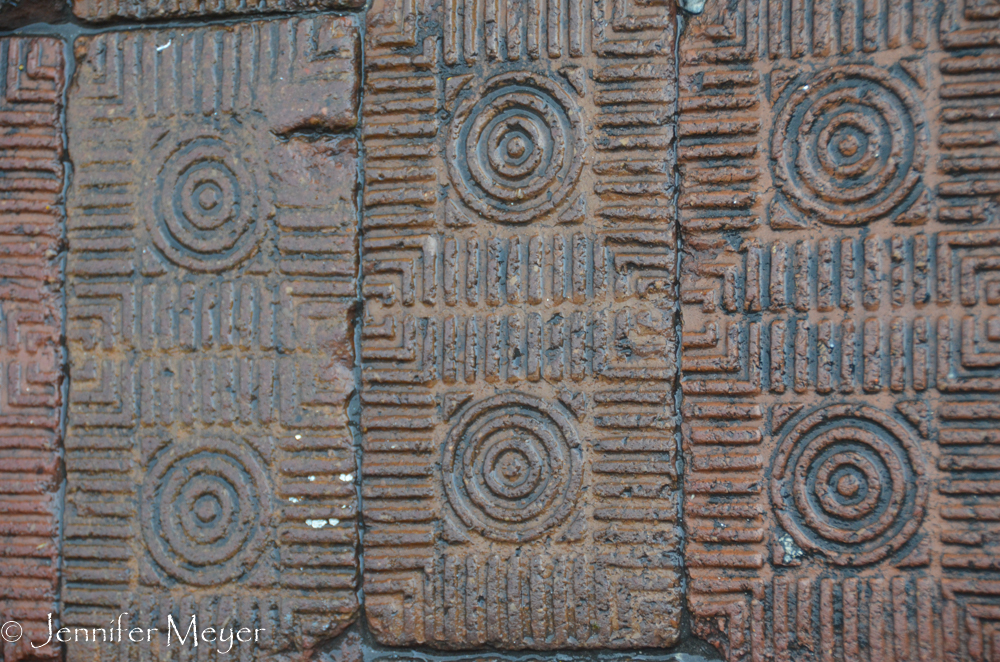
[(32, 178), (107, 10), (840, 347), (210, 468), (15, 14), (518, 346)]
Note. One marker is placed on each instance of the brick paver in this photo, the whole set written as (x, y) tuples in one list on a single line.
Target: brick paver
[(210, 468)]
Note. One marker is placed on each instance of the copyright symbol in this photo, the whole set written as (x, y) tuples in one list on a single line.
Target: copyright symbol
[(10, 631)]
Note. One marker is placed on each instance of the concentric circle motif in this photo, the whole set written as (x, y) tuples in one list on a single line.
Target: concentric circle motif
[(849, 481), (515, 149), (205, 511), (512, 467), (207, 209), (849, 145)]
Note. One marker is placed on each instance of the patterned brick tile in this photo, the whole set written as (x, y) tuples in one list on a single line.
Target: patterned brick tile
[(210, 468), (32, 178), (109, 10), (840, 332), (519, 360)]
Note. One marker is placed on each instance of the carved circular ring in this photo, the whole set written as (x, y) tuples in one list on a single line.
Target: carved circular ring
[(205, 508), (849, 145), (848, 481), (512, 467), (208, 209), (515, 148)]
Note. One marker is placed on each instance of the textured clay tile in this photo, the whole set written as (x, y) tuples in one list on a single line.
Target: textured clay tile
[(518, 350), (18, 13), (32, 178), (832, 305), (211, 272), (840, 347), (109, 10)]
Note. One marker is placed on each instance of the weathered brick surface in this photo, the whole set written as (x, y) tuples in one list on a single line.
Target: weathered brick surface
[(212, 262), (32, 178), (840, 332), (15, 14), (829, 331), (518, 351), (107, 10)]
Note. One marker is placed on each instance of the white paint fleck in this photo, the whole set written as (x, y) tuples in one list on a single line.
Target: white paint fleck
[(316, 523), (164, 46), (312, 479), (693, 6), (347, 478), (293, 499), (333, 522), (792, 551)]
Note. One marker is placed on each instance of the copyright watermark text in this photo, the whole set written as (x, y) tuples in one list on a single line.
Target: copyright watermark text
[(11, 631), (224, 639)]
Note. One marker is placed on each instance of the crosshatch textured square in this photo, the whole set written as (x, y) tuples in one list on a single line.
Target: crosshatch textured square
[(839, 328), (32, 177), (520, 472), (210, 468)]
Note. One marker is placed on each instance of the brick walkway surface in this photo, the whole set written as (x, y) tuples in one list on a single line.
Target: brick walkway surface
[(500, 330)]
